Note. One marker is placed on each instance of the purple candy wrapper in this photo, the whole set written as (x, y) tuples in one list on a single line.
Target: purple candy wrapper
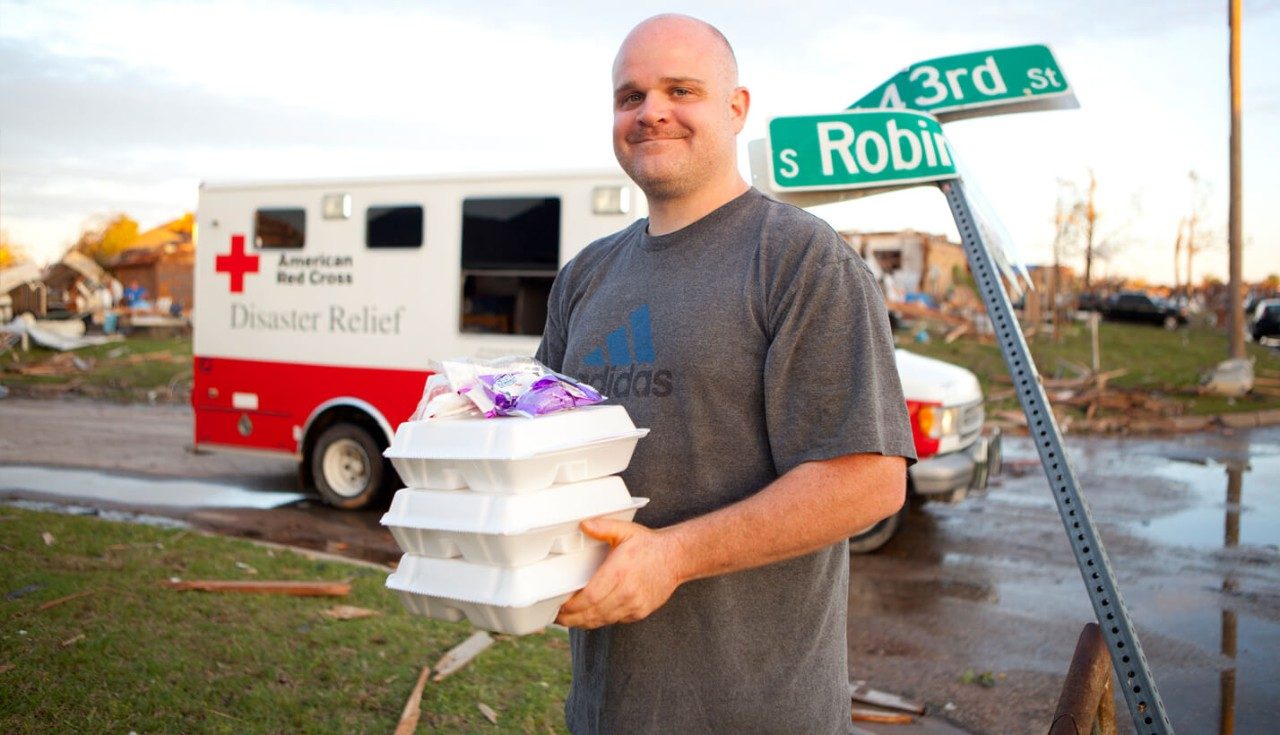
[(529, 394)]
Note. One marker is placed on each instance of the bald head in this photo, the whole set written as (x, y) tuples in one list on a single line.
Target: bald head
[(677, 111), (673, 28)]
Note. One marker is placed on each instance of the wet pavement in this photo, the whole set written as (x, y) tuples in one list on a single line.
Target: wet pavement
[(990, 585), (973, 609), (89, 485)]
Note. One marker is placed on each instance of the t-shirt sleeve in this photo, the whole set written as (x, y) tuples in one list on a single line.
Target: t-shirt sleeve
[(555, 333), (831, 379)]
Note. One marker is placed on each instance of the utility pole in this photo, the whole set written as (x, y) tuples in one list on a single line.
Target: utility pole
[(1235, 316)]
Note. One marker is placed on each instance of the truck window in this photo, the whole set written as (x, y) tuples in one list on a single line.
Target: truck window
[(398, 226), (280, 228), (510, 254)]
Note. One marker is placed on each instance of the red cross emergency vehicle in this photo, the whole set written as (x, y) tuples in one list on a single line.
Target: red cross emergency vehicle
[(319, 304)]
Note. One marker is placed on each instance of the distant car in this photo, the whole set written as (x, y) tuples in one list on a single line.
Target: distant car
[(1090, 302), (1135, 306), (1264, 321)]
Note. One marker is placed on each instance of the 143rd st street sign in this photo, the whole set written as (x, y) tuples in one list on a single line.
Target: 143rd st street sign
[(857, 149), (1017, 79)]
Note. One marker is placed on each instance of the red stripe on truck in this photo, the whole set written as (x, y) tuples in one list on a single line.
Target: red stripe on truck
[(287, 395)]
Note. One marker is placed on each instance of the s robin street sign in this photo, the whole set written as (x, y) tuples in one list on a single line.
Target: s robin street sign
[(857, 149)]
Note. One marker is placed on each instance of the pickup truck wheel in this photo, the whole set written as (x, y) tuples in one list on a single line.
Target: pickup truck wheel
[(347, 466), (874, 538)]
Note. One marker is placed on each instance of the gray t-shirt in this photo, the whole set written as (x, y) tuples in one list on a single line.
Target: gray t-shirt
[(748, 342)]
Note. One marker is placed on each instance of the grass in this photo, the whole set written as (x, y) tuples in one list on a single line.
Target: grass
[(128, 370), (151, 659), (1166, 362), (1157, 360)]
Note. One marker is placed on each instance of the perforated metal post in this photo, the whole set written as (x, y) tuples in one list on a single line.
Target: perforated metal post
[(1130, 664)]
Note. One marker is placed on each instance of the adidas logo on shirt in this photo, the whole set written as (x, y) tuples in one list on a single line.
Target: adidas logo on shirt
[(617, 368)]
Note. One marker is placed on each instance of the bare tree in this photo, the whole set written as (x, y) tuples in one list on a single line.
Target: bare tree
[(1090, 213), (1066, 230), (1079, 231), (1194, 234)]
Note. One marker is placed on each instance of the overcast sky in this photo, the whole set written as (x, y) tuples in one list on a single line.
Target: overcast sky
[(128, 105)]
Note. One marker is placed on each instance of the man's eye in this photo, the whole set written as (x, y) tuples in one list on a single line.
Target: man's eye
[(681, 92)]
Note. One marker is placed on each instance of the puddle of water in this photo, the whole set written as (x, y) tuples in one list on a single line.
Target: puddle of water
[(1240, 687), (90, 485), (1233, 504), (109, 515)]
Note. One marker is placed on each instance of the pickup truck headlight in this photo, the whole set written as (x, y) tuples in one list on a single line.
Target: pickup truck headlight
[(937, 422)]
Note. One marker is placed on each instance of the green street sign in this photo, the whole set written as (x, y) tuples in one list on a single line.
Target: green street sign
[(1017, 79), (857, 149)]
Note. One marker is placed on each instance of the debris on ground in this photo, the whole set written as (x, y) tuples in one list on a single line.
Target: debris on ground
[(48, 538), (413, 708), (61, 600), (461, 654), (23, 591), (348, 612), (1229, 378), (296, 589), (488, 712), (863, 694), (73, 640), (863, 714)]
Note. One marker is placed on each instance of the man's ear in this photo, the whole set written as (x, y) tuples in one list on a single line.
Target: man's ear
[(739, 105)]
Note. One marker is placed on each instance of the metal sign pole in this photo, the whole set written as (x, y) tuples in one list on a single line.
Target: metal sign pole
[(1130, 664)]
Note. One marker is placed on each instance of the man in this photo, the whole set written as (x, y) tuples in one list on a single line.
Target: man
[(754, 345)]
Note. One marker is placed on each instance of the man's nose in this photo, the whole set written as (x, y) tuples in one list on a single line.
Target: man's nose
[(652, 111)]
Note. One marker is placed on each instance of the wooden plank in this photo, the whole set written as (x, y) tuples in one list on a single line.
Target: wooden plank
[(461, 654), (413, 708), (54, 603), (861, 714), (264, 587), (877, 698)]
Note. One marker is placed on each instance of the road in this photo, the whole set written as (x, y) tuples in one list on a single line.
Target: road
[(985, 591)]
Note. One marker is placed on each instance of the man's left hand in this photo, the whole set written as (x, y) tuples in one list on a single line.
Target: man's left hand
[(636, 578)]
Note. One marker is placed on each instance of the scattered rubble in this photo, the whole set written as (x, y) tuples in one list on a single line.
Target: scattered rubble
[(461, 654), (348, 612), (413, 708), (63, 600), (296, 589)]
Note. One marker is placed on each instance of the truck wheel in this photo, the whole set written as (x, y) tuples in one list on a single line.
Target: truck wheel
[(874, 538), (1171, 322), (347, 466)]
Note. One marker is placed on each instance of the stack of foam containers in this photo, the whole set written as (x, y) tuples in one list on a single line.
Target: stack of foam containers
[(489, 520)]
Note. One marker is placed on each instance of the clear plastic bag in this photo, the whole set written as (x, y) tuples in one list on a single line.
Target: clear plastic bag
[(506, 386)]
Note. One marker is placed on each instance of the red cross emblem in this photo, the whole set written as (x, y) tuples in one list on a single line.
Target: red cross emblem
[(236, 264)]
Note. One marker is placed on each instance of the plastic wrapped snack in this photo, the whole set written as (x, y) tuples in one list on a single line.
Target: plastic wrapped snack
[(509, 386)]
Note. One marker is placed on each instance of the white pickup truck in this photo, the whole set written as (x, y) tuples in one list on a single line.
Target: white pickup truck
[(955, 456)]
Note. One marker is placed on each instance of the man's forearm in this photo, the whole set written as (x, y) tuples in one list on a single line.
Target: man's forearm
[(814, 505)]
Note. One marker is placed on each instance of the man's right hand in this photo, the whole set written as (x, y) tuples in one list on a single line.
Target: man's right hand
[(637, 577)]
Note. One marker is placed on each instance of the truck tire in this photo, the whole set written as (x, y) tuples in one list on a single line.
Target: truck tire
[(348, 467), (874, 538), (1171, 322)]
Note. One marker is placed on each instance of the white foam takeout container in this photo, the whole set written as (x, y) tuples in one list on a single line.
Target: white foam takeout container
[(513, 454), (507, 530), (515, 600)]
